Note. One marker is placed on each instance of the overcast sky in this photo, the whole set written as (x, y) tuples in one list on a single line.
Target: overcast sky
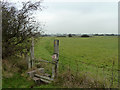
[(79, 17)]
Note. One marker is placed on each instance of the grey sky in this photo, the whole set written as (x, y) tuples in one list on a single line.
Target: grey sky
[(79, 17)]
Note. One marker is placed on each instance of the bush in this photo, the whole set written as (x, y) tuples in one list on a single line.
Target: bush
[(18, 27), (13, 65), (85, 35), (70, 35), (81, 80)]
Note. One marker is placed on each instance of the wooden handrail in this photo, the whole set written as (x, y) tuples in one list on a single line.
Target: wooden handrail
[(46, 61)]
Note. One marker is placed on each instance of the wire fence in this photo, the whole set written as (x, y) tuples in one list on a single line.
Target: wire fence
[(77, 66)]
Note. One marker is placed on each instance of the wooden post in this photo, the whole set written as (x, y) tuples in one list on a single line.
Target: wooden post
[(55, 59), (32, 53), (56, 47), (28, 60)]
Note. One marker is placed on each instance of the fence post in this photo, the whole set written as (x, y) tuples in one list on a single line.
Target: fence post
[(27, 58), (32, 53), (55, 58), (28, 61)]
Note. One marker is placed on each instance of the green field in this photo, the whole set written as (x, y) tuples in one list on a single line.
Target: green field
[(97, 56)]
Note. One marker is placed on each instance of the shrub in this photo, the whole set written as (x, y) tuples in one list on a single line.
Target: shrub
[(85, 35), (81, 80), (18, 27), (13, 65), (70, 35)]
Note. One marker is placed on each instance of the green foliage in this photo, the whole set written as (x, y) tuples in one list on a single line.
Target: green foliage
[(13, 73), (18, 26), (17, 81), (13, 65), (80, 80)]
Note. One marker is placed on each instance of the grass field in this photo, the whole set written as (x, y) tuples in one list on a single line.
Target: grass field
[(97, 56)]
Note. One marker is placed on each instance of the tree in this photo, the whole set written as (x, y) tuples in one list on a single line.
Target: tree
[(18, 26), (69, 35), (85, 35)]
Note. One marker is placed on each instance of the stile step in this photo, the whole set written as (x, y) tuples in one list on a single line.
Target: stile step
[(43, 77), (37, 80), (46, 81), (31, 73)]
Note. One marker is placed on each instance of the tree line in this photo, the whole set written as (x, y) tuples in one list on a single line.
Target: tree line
[(77, 35)]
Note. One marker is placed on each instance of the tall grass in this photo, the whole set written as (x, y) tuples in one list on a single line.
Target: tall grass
[(13, 73)]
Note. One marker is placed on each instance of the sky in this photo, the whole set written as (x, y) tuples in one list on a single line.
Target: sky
[(78, 16)]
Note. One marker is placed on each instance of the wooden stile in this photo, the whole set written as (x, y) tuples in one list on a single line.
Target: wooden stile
[(47, 78)]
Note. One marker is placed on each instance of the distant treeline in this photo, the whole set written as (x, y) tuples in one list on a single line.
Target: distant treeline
[(77, 35)]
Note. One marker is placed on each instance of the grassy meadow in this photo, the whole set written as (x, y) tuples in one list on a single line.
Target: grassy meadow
[(94, 56)]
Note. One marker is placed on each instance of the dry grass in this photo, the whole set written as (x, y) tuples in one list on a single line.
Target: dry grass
[(13, 65), (81, 80)]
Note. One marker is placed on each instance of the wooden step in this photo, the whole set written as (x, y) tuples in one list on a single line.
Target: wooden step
[(46, 81), (31, 73), (43, 77), (47, 75), (37, 80)]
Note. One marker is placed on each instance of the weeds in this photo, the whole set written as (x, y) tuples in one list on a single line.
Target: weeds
[(81, 80)]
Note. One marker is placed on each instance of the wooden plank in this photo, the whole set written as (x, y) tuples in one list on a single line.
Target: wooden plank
[(43, 77), (39, 69), (36, 79), (45, 61), (31, 73), (46, 81), (47, 75)]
